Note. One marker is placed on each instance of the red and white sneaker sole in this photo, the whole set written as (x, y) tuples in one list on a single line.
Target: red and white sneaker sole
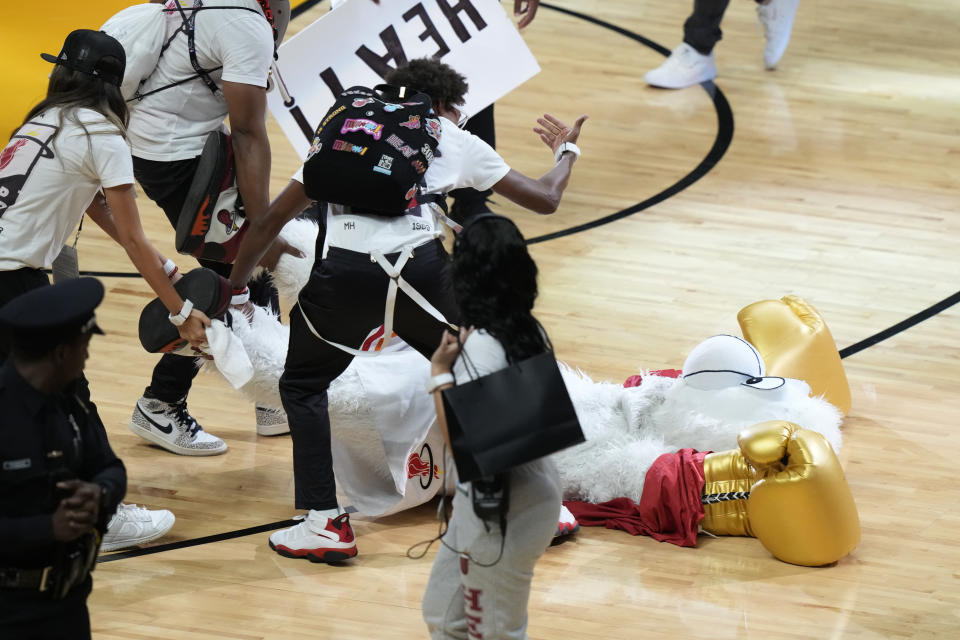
[(316, 555)]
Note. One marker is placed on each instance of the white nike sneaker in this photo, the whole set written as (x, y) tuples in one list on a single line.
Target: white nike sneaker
[(318, 539), (684, 68), (271, 422), (169, 425), (776, 18), (131, 526)]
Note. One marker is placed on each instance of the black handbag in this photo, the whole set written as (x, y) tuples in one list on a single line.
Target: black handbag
[(510, 417)]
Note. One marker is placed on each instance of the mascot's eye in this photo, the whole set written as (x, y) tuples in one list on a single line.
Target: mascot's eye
[(753, 380)]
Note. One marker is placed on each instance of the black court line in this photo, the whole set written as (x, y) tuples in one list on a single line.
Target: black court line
[(299, 9), (720, 144), (717, 151), (915, 319), (193, 542)]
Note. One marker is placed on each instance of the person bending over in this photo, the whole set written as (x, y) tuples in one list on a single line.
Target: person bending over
[(343, 301)]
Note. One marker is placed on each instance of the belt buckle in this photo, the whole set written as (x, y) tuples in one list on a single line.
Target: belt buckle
[(43, 579)]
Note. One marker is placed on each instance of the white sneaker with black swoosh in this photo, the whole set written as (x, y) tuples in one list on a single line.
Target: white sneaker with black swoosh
[(170, 425)]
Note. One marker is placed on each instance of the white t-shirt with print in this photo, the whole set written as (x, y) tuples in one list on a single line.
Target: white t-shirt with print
[(49, 175), (462, 160), (174, 123)]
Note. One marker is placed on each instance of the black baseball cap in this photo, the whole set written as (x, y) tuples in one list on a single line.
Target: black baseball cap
[(94, 53), (55, 313)]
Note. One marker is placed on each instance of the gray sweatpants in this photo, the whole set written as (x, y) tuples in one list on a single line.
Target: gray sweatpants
[(466, 601)]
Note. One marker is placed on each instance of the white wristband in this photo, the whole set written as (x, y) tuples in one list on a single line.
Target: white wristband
[(169, 268), (564, 147), (439, 380), (240, 297), (181, 317)]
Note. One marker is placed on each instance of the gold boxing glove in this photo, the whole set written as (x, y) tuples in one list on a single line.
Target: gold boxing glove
[(727, 481), (796, 343), (801, 508)]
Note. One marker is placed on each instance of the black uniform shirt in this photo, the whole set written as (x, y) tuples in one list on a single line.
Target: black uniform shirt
[(31, 425)]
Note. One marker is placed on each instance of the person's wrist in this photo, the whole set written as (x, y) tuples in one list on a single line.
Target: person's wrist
[(566, 147), (170, 269), (240, 295), (177, 319), (438, 380)]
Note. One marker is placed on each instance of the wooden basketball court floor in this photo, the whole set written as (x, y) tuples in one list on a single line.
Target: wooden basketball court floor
[(839, 184)]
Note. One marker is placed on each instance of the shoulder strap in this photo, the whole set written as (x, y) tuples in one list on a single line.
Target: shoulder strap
[(187, 27)]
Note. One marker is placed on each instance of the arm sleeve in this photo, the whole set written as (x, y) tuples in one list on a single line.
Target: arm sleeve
[(100, 464), (112, 162), (483, 355), (244, 46), (482, 166)]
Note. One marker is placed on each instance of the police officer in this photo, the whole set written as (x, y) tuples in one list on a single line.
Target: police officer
[(59, 480)]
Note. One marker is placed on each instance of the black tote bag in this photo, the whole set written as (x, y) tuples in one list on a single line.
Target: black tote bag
[(510, 417)]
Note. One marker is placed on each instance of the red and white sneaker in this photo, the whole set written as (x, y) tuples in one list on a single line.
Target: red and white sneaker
[(332, 543), (568, 525)]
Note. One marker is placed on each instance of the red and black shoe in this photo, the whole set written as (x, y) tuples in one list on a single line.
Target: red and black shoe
[(334, 542)]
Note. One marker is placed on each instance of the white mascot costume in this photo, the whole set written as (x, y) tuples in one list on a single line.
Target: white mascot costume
[(388, 455)]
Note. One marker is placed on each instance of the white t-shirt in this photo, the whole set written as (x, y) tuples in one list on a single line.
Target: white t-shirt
[(486, 356), (462, 160), (46, 186), (174, 123)]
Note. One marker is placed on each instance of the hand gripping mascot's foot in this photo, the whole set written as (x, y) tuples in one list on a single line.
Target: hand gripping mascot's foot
[(388, 455)]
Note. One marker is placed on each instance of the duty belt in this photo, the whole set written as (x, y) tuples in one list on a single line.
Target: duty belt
[(396, 282), (26, 579)]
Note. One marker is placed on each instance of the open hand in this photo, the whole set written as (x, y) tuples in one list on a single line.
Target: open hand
[(554, 132)]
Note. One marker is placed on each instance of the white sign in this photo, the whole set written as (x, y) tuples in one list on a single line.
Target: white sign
[(359, 42)]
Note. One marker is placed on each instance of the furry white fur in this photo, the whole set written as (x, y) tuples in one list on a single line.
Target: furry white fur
[(628, 428)]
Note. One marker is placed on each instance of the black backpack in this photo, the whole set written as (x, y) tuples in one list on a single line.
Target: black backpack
[(371, 150)]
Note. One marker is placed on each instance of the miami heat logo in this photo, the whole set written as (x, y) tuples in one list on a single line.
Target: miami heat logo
[(421, 464), (228, 220), (7, 156)]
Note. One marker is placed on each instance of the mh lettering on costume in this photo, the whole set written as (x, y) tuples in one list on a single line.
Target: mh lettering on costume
[(362, 41)]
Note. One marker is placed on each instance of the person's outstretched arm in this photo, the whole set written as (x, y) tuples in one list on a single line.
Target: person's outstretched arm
[(543, 195), (121, 211), (263, 231)]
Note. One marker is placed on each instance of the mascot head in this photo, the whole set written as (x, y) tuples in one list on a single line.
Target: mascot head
[(722, 362)]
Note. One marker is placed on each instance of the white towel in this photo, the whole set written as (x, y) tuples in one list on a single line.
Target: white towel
[(228, 354)]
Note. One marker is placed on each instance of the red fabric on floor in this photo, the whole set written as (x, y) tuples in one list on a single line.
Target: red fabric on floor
[(669, 508)]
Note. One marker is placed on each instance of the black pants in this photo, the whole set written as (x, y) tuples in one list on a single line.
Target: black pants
[(167, 183), (31, 616), (702, 29), (344, 300), (468, 202), (12, 284)]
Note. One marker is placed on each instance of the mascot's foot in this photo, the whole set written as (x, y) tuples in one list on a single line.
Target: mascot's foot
[(567, 526)]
